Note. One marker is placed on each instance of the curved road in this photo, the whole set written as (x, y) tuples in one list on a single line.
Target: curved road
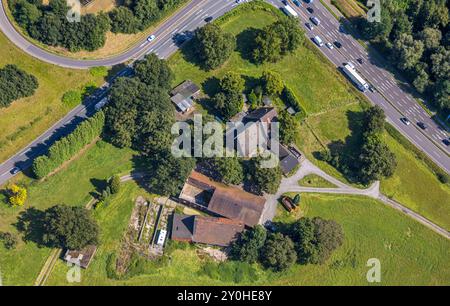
[(388, 95)]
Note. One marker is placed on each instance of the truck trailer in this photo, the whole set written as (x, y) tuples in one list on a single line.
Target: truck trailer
[(350, 71), (288, 10)]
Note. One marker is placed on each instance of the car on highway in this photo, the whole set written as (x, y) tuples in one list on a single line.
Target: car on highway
[(446, 142), (208, 19), (310, 10), (14, 170), (296, 2), (329, 46), (318, 41), (338, 44), (422, 125), (371, 88), (315, 20), (405, 121), (151, 38), (309, 26), (360, 60)]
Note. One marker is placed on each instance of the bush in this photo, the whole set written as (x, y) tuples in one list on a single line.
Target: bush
[(114, 184), (99, 71), (290, 99), (72, 98), (16, 195), (9, 240)]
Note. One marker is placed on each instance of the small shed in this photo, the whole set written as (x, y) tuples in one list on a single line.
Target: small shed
[(81, 258)]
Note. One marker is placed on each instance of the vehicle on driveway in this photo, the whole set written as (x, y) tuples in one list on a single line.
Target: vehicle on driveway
[(337, 44), (422, 125), (14, 170), (309, 26), (151, 38), (329, 46), (405, 121)]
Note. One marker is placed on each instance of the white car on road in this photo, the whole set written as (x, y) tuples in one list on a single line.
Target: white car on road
[(151, 38), (329, 46)]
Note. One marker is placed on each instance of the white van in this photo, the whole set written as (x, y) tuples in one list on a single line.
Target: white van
[(318, 41)]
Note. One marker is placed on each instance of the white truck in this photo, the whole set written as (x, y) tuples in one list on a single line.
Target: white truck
[(288, 10), (350, 71)]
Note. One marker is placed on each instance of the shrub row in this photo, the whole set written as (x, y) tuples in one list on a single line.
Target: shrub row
[(65, 148), (290, 99)]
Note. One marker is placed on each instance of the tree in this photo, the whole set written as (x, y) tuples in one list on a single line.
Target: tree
[(267, 48), (228, 104), (169, 173), (431, 38), (289, 127), (265, 179), (442, 94), (123, 20), (69, 227), (114, 184), (213, 46), (16, 195), (407, 51), (248, 245), (421, 81), (15, 84), (230, 169), (146, 11), (374, 120), (154, 72), (278, 252), (377, 160), (440, 64), (272, 82), (232, 83), (26, 13), (315, 239), (9, 240)]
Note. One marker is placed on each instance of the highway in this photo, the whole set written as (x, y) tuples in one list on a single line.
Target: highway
[(388, 94)]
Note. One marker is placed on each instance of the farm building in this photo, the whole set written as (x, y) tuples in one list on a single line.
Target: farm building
[(81, 258), (183, 95), (231, 202), (207, 230)]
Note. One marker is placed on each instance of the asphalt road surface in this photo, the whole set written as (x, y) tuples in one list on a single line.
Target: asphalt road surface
[(388, 95)]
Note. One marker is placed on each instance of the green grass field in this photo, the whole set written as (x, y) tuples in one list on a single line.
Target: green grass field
[(27, 118), (409, 253), (71, 186), (312, 180)]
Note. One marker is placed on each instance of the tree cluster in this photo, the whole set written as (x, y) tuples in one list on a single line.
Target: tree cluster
[(15, 84), (276, 40), (140, 115), (228, 101), (416, 38), (306, 241), (68, 146), (49, 24), (264, 179)]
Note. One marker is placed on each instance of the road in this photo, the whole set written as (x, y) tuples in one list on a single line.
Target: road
[(192, 16), (388, 94), (187, 19)]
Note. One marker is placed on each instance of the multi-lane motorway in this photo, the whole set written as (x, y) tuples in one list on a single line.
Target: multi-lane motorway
[(388, 94)]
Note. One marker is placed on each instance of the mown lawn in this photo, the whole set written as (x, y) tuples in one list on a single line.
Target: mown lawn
[(409, 253), (73, 185), (27, 118)]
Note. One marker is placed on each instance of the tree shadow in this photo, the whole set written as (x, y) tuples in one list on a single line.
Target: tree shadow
[(188, 51), (344, 153), (99, 185), (251, 83), (245, 43), (211, 86), (30, 223)]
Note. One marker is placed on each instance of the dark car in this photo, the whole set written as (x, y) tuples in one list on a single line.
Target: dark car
[(360, 60), (310, 10), (446, 142), (208, 19), (15, 170), (422, 125), (337, 44)]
